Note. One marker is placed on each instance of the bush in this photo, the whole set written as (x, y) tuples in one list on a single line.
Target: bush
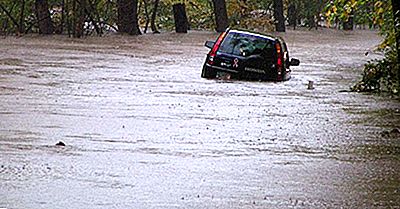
[(380, 75)]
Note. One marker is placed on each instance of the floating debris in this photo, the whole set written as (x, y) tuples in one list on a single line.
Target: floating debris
[(310, 85), (60, 143)]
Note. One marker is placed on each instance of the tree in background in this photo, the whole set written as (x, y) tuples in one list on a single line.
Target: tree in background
[(221, 15), (15, 11), (292, 15), (279, 17), (43, 17), (78, 18), (251, 14), (396, 23), (127, 17), (82, 17), (180, 17), (150, 18), (153, 17), (309, 12), (342, 11), (201, 14)]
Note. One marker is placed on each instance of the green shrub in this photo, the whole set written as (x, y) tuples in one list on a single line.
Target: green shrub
[(380, 75)]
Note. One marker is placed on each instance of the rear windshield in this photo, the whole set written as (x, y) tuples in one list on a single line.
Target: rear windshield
[(246, 45)]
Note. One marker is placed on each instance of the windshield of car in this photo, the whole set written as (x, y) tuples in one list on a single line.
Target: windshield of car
[(243, 44)]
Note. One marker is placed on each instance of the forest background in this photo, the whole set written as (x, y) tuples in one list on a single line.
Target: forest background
[(78, 18)]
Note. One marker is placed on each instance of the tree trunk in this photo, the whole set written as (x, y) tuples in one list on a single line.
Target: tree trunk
[(146, 14), (69, 20), (127, 17), (21, 28), (311, 21), (396, 16), (153, 17), (278, 15), (43, 17), (93, 16), (74, 17), (292, 16), (349, 24), (310, 14), (181, 21), (221, 16), (396, 22), (60, 28), (79, 18)]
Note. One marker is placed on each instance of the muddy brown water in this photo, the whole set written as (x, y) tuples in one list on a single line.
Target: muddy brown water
[(143, 130)]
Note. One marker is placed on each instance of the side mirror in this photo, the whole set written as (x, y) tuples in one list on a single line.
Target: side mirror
[(209, 44), (294, 62)]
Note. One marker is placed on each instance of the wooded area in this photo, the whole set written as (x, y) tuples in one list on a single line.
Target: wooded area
[(84, 17)]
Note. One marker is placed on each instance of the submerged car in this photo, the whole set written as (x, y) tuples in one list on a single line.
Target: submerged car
[(241, 54)]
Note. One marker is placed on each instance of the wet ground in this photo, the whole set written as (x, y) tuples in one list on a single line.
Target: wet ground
[(143, 130)]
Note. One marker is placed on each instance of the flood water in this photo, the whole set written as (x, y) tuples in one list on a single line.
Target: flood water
[(143, 130)]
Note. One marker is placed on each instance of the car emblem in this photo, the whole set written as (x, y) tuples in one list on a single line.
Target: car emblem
[(235, 62)]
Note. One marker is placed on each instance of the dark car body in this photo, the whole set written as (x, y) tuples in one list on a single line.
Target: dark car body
[(243, 54)]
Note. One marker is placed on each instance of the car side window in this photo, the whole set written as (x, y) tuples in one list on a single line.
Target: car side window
[(230, 44)]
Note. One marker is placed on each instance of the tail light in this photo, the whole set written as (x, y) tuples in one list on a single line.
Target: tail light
[(279, 61), (214, 50)]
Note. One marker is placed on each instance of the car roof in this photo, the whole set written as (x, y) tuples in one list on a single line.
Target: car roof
[(269, 37)]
